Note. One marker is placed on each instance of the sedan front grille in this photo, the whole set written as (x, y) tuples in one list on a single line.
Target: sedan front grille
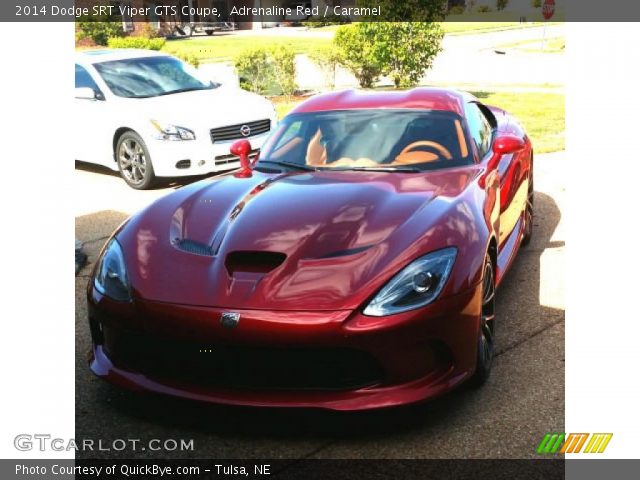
[(241, 130)]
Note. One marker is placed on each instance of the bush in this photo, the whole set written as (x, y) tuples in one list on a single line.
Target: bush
[(457, 10), (405, 50), (501, 4), (401, 50), (252, 66), (327, 59), (283, 64), (536, 3), (98, 29), (136, 42), (354, 44), (267, 70), (187, 57), (484, 9)]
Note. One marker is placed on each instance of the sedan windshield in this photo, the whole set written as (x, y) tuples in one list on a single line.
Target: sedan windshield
[(150, 77), (396, 140)]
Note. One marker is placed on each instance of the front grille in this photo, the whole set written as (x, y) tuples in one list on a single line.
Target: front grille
[(243, 367), (226, 159), (235, 132)]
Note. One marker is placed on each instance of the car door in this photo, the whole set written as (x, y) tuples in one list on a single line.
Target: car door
[(89, 114), (483, 128)]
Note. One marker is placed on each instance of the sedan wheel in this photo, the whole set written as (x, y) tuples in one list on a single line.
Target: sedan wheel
[(134, 161), (487, 325)]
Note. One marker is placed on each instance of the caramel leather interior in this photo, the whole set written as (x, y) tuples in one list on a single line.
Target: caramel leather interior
[(316, 154)]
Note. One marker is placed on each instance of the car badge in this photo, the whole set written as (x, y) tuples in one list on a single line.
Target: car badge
[(245, 130), (230, 319)]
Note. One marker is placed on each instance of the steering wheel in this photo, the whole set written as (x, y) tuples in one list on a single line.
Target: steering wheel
[(428, 143)]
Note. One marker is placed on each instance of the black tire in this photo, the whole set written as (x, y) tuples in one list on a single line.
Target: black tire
[(134, 161), (486, 330), (528, 218), (209, 32)]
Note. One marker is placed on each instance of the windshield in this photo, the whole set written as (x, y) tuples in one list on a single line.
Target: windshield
[(150, 77), (410, 140)]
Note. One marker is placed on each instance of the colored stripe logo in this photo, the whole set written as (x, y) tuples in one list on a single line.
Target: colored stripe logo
[(553, 443)]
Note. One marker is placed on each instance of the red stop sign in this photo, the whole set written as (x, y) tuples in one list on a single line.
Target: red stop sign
[(548, 9)]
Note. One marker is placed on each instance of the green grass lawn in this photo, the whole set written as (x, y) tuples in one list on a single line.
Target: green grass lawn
[(541, 114), (221, 48)]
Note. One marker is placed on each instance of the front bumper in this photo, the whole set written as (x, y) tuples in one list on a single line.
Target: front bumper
[(415, 355), (194, 157)]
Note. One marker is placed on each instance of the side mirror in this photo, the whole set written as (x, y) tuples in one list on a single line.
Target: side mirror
[(85, 93), (242, 149), (503, 145), (506, 144)]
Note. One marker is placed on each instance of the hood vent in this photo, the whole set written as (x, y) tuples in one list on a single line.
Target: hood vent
[(254, 262), (191, 246)]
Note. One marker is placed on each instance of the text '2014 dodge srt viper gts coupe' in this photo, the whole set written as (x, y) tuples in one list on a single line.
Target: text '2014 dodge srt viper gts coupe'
[(352, 266)]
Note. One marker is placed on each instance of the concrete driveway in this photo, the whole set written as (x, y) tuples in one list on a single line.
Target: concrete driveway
[(523, 399)]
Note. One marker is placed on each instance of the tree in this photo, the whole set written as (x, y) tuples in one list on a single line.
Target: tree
[(405, 50), (355, 45)]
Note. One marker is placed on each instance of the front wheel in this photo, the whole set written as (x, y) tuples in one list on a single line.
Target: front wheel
[(209, 32), (486, 331), (134, 161)]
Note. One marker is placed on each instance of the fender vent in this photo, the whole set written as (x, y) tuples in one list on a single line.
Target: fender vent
[(254, 262), (191, 246)]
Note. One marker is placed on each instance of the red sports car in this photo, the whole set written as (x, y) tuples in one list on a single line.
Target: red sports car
[(352, 266)]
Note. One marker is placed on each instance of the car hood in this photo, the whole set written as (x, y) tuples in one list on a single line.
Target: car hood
[(204, 109), (287, 241)]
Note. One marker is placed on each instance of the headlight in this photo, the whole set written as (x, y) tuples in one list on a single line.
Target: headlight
[(111, 275), (417, 285), (172, 132)]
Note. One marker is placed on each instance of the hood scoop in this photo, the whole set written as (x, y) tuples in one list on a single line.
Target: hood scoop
[(253, 262)]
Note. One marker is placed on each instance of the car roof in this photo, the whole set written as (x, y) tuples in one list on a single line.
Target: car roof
[(423, 98), (109, 54)]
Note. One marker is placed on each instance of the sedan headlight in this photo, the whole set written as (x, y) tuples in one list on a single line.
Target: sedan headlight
[(415, 286), (111, 275), (167, 131)]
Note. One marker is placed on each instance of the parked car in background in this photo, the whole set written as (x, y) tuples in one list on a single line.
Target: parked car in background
[(148, 114)]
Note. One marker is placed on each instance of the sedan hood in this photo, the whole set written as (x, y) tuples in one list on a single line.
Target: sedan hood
[(204, 109), (288, 241)]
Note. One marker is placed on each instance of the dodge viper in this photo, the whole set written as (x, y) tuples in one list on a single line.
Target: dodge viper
[(353, 265)]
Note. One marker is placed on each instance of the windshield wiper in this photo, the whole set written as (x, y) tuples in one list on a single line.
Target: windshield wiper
[(291, 165), (378, 169), (182, 90)]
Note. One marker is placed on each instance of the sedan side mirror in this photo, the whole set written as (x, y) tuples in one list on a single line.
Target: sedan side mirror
[(242, 149), (85, 93)]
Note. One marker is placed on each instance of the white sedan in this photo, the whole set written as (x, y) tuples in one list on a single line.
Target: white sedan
[(147, 114)]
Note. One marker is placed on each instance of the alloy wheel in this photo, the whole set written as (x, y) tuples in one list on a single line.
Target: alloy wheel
[(132, 161), (487, 317)]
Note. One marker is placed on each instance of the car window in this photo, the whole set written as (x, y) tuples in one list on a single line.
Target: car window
[(83, 79), (370, 139), (479, 128), (151, 77)]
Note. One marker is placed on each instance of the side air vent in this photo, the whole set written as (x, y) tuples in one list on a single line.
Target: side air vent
[(254, 262), (191, 246)]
